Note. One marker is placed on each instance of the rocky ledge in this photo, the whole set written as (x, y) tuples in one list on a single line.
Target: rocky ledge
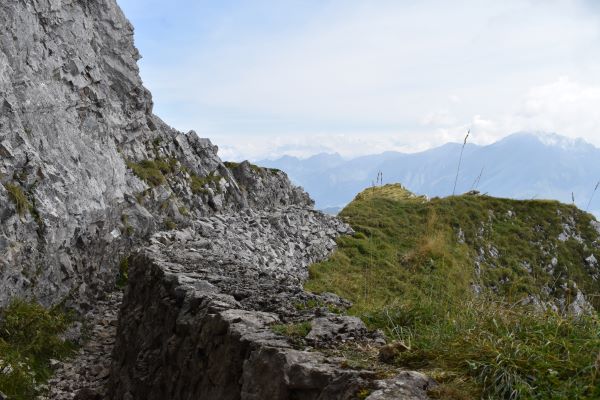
[(197, 315)]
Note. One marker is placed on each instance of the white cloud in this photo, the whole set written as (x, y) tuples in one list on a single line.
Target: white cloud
[(564, 106), (258, 147), (361, 77)]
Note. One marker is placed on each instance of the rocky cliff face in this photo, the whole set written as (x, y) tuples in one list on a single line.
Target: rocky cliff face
[(218, 252), (74, 116)]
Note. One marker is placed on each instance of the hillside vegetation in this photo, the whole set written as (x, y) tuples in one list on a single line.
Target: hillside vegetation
[(30, 337), (494, 298)]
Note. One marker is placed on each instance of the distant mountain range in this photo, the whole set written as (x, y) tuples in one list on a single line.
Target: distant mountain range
[(520, 166)]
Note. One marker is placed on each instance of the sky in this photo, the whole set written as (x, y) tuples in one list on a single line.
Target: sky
[(299, 77)]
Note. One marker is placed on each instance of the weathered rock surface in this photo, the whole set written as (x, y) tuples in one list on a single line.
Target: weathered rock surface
[(408, 385), (183, 335), (73, 112), (336, 329), (255, 252)]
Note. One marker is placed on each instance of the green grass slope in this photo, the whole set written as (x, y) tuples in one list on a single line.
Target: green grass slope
[(494, 298)]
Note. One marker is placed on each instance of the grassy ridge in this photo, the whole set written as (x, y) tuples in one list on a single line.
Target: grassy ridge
[(411, 268)]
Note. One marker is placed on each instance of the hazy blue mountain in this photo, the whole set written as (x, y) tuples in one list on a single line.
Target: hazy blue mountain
[(521, 166)]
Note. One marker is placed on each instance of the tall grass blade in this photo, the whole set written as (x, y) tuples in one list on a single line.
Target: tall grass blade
[(460, 161), (592, 197)]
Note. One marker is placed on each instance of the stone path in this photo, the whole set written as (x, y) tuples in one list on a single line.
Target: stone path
[(87, 372)]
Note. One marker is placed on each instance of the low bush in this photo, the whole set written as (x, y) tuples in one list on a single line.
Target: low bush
[(198, 184), (18, 197), (30, 336), (153, 171)]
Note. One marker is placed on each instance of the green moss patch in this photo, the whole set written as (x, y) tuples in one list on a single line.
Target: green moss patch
[(123, 276), (295, 332)]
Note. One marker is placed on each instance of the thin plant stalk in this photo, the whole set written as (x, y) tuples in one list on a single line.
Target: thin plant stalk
[(477, 180), (460, 161), (592, 198)]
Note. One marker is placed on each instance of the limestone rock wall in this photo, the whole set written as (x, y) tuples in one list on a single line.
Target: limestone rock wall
[(73, 113), (193, 322), (180, 338)]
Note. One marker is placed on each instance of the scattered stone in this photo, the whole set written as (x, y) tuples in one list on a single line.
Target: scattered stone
[(580, 306), (460, 236), (333, 328), (591, 261), (333, 299), (569, 232), (390, 351), (408, 385), (596, 226)]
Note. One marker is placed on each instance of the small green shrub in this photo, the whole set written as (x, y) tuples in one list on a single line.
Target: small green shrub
[(198, 183), (363, 393), (29, 338), (128, 230), (170, 224), (123, 276), (231, 164), (18, 197), (153, 171), (293, 331), (255, 168)]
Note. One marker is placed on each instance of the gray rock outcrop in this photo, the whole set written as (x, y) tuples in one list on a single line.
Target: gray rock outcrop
[(408, 385), (196, 316), (73, 116)]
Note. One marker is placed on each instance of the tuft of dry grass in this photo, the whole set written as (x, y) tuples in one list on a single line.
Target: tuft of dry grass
[(18, 197)]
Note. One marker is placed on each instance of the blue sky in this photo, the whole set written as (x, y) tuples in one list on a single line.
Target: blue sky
[(266, 78)]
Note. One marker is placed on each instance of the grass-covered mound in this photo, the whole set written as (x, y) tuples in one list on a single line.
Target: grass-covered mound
[(30, 336), (478, 288)]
